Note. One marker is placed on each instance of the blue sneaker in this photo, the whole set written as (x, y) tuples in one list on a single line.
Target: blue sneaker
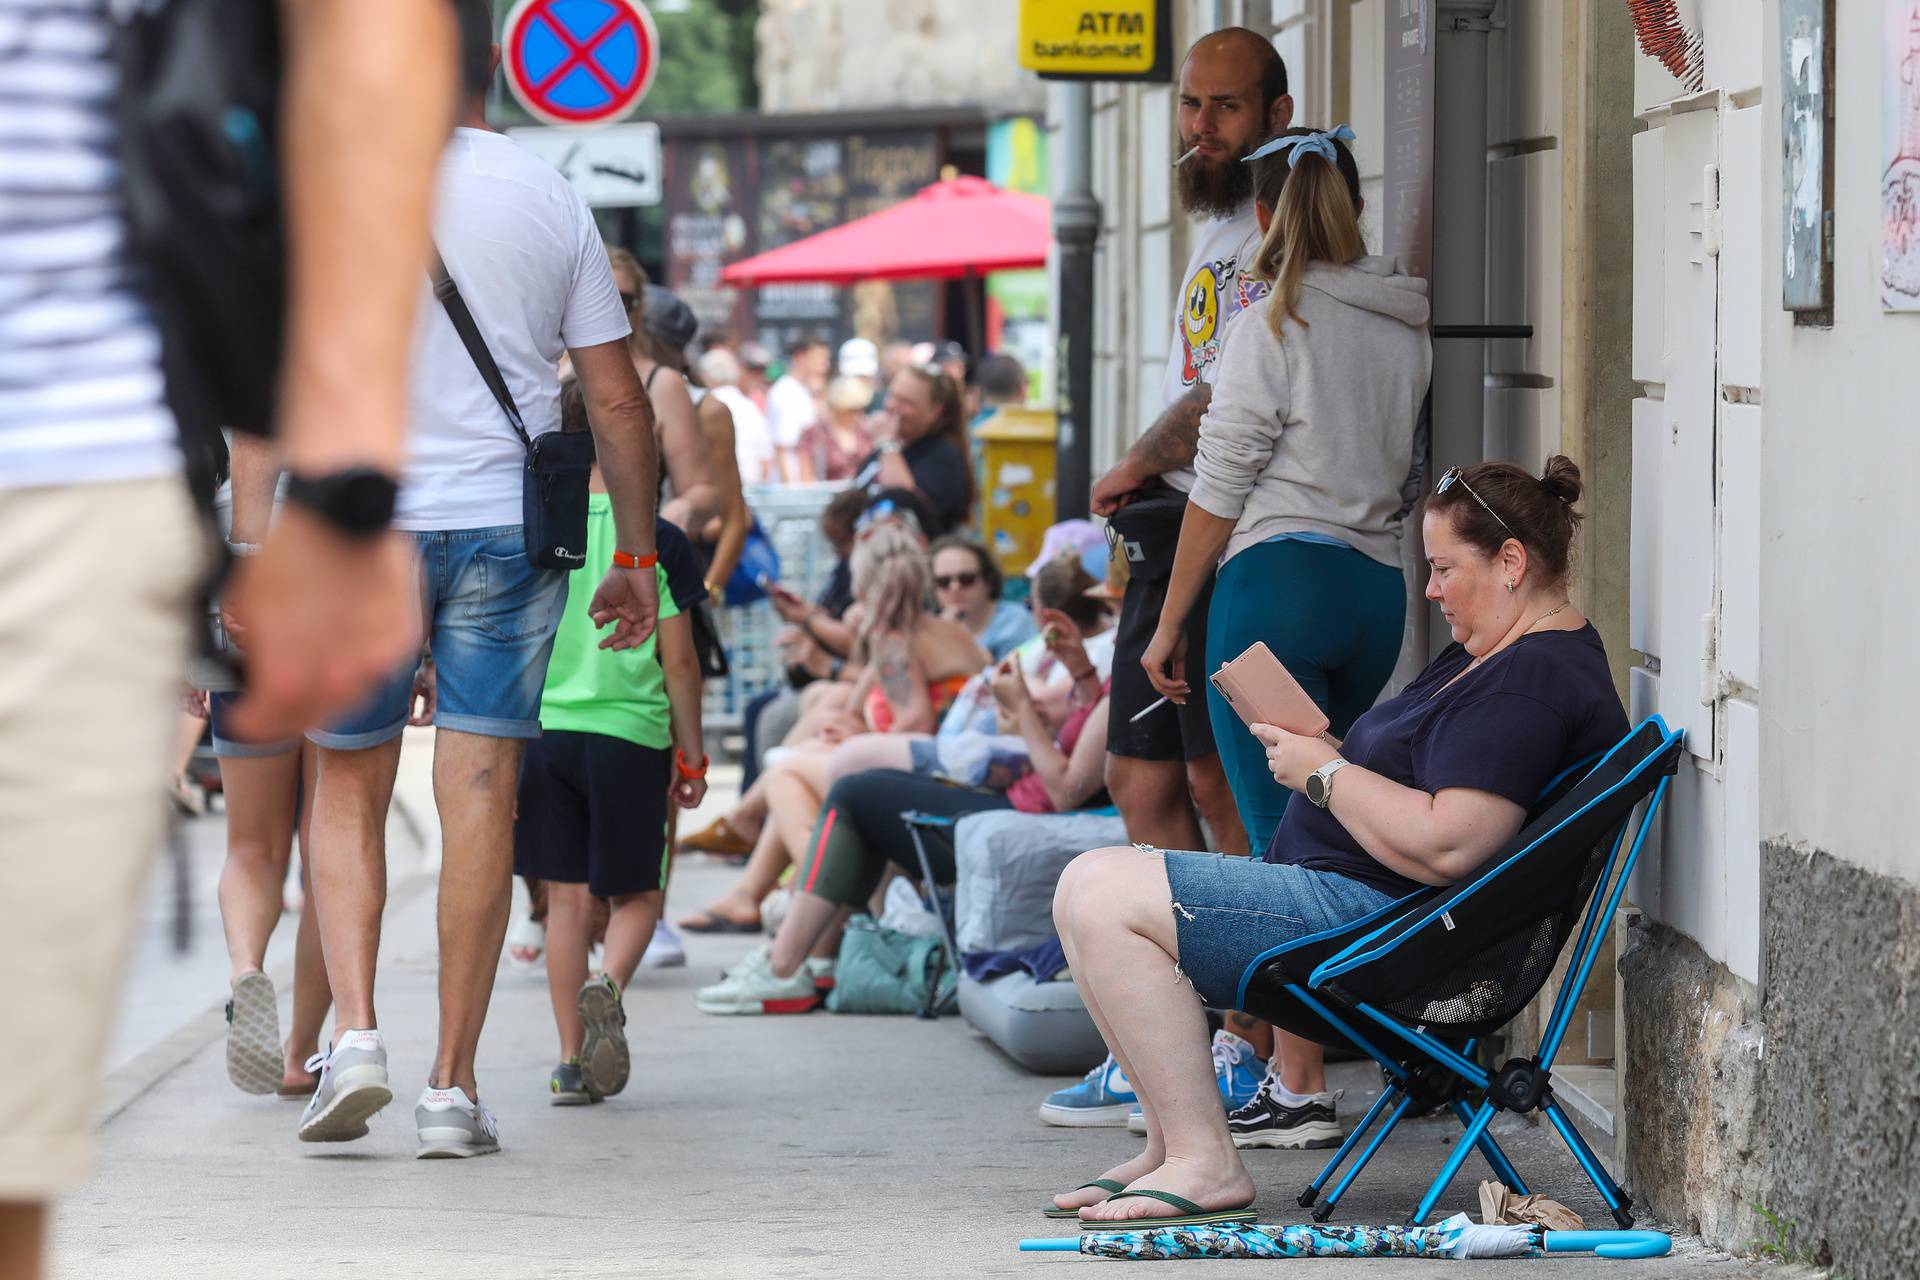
[(1101, 1100), (1236, 1069)]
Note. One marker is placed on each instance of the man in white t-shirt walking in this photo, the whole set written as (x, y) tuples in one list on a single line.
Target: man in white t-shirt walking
[(793, 402), (525, 254)]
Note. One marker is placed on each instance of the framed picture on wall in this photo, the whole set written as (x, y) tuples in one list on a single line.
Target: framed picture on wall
[(1806, 172)]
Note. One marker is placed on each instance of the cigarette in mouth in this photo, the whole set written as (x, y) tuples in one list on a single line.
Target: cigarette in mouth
[(1186, 155)]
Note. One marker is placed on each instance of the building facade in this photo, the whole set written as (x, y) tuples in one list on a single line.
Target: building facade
[(1748, 1062)]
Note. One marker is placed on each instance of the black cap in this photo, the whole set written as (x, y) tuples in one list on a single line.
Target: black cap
[(667, 318)]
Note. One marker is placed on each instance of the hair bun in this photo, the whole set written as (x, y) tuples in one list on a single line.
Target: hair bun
[(1561, 479)]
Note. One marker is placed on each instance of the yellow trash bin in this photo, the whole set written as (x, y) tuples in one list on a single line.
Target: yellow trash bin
[(1014, 481)]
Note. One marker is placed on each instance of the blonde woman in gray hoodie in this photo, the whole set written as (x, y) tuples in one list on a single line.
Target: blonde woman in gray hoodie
[(1306, 461)]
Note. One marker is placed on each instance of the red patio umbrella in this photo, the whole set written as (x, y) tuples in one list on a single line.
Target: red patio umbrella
[(961, 227)]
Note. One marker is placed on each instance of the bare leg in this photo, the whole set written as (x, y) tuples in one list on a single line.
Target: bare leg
[(1120, 914), (349, 870), (1213, 799), (311, 995), (1303, 1063), (1255, 1032), (262, 811), (474, 781), (629, 930), (870, 751), (799, 783), (1154, 802), (569, 922), (809, 919), (23, 1237), (1154, 1153)]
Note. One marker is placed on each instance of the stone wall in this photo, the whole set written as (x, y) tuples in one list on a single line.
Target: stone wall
[(1805, 1105), (854, 55)]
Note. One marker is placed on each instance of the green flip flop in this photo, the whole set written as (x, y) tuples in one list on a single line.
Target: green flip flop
[(1107, 1185), (1191, 1214)]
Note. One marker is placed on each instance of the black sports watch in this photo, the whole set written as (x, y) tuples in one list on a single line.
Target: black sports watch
[(358, 501)]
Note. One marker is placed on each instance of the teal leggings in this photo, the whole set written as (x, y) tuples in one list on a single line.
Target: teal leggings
[(1333, 616)]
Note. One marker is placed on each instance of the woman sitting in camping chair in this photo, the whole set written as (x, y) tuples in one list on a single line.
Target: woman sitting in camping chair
[(1425, 788)]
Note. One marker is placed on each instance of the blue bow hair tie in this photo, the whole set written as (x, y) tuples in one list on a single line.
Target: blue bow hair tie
[(1320, 144)]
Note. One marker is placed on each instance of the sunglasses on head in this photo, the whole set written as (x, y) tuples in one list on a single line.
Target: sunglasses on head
[(942, 581), (1455, 475)]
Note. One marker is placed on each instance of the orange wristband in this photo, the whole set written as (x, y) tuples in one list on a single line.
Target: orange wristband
[(680, 763), (627, 560)]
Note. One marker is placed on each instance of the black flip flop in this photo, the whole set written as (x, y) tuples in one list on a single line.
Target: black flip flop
[(711, 923)]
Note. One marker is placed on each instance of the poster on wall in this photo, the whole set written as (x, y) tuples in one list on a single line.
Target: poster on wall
[(1900, 142), (1806, 175), (708, 182), (1407, 227)]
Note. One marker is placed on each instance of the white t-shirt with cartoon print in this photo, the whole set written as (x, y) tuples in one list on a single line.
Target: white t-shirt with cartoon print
[(1214, 289)]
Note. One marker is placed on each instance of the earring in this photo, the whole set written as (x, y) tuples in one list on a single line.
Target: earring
[(1510, 585)]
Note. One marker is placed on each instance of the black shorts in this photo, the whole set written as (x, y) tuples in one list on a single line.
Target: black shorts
[(1165, 733), (593, 811)]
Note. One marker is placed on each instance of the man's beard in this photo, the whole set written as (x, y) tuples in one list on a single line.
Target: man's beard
[(1216, 188)]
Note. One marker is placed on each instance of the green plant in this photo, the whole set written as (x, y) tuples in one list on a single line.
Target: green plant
[(1784, 1243)]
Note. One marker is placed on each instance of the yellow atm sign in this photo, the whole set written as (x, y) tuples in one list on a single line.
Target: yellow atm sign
[(1097, 39)]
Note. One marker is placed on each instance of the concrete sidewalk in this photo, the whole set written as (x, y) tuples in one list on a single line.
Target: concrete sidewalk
[(817, 1145)]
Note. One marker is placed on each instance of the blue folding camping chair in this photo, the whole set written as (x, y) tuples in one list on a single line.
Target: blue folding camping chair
[(1418, 984)]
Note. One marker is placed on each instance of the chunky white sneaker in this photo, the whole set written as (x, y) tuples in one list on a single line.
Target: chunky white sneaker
[(667, 950), (453, 1126), (750, 987), (353, 1085)]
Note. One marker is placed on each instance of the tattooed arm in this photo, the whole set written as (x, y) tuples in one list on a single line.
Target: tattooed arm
[(898, 673), (1169, 444)]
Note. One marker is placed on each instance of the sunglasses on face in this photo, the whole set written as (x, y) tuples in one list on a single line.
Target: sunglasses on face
[(1455, 476), (942, 581)]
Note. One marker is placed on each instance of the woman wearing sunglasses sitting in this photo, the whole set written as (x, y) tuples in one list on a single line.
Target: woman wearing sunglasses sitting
[(1425, 787), (966, 586)]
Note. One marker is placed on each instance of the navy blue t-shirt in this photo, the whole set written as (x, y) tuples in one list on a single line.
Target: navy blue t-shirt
[(1511, 727)]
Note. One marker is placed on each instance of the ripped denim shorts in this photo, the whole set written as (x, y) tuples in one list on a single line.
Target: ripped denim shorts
[(1231, 913)]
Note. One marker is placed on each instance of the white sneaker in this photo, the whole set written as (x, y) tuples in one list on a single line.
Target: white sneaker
[(453, 1126), (751, 987), (352, 1086), (667, 950), (822, 968)]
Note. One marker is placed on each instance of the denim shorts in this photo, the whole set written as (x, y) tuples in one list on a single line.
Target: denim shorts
[(1230, 914), (227, 746), (491, 618)]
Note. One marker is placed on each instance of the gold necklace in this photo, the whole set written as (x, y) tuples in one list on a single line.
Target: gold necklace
[(1563, 605)]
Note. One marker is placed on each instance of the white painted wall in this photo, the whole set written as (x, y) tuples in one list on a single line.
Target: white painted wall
[(1698, 277), (1840, 614)]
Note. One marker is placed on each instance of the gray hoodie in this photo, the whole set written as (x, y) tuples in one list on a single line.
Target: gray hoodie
[(1315, 434)]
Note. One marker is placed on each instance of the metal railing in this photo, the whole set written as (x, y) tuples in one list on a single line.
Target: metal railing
[(790, 515)]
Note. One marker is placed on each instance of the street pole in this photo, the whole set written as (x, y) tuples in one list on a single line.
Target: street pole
[(1076, 227)]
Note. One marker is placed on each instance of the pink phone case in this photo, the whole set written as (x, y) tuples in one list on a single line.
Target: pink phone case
[(1261, 690)]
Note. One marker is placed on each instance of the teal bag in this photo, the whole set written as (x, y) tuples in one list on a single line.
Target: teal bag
[(883, 970)]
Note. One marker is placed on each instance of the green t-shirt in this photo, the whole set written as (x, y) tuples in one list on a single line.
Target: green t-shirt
[(595, 690)]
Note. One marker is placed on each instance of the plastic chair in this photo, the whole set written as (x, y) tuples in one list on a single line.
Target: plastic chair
[(1420, 982)]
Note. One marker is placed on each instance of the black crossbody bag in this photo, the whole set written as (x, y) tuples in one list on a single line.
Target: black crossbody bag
[(554, 483)]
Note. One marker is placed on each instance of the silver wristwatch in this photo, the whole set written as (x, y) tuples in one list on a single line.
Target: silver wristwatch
[(1320, 781)]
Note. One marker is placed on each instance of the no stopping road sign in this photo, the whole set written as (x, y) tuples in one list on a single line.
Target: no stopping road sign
[(579, 62)]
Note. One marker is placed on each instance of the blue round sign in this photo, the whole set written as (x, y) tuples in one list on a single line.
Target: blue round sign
[(579, 62)]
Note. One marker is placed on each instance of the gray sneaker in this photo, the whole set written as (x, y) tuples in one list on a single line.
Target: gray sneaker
[(605, 1062), (453, 1126), (566, 1086), (353, 1085)]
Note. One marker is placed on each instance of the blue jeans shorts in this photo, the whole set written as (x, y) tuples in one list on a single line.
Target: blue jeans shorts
[(1229, 915), (491, 618), (227, 746)]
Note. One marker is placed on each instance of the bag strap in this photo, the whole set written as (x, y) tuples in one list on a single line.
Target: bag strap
[(449, 294)]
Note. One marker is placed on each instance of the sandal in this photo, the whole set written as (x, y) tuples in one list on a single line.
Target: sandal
[(1190, 1215), (1107, 1185), (708, 922), (718, 837)]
